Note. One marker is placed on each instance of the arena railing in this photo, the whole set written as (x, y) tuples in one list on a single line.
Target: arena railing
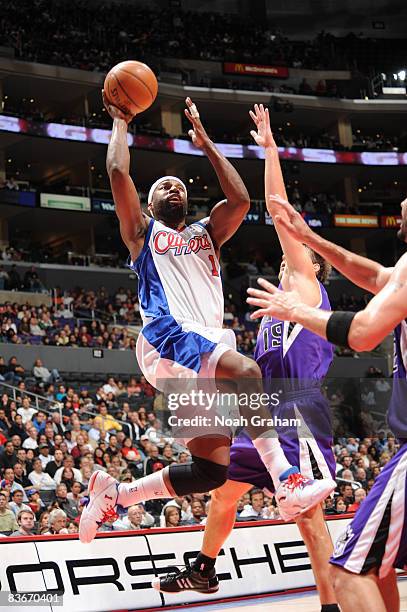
[(39, 400)]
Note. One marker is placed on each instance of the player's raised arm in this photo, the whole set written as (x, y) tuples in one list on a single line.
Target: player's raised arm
[(361, 331), (227, 215), (133, 222), (299, 264), (362, 271)]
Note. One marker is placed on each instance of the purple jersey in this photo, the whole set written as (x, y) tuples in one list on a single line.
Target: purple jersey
[(289, 351), (397, 413)]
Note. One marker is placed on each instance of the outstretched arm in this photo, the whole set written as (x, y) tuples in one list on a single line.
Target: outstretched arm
[(226, 216), (369, 327), (133, 222), (364, 272), (300, 267)]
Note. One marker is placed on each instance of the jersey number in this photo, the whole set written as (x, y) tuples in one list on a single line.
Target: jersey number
[(214, 270)]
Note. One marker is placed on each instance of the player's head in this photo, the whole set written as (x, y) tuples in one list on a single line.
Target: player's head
[(321, 267), (402, 233), (167, 200)]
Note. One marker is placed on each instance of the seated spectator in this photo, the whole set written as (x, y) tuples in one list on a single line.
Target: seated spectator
[(105, 421), (16, 504), (68, 463), (9, 477), (26, 523), (360, 496), (66, 504), (40, 480), (197, 513), (43, 522), (8, 523), (172, 517), (340, 505), (254, 510), (26, 411), (56, 522), (31, 441), (15, 372), (8, 456), (42, 373)]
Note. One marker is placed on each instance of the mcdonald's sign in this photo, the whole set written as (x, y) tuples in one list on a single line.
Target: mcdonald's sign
[(390, 221), (277, 72)]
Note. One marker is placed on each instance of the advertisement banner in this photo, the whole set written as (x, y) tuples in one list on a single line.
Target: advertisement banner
[(390, 221), (115, 571), (365, 221), (19, 198), (64, 202), (103, 206), (277, 72), (316, 221), (178, 145)]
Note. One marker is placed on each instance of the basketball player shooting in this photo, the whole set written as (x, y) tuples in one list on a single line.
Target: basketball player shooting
[(181, 303), (284, 353), (375, 542)]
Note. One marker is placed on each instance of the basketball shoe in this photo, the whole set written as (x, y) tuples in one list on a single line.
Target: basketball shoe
[(101, 506), (297, 494), (187, 579)]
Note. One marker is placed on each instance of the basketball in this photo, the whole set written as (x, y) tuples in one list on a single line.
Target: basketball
[(131, 86)]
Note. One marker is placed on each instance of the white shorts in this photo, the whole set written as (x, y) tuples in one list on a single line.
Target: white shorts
[(180, 357)]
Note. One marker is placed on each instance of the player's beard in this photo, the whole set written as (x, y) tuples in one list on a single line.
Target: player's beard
[(169, 213)]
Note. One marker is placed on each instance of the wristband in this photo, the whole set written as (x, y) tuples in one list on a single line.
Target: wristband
[(338, 326)]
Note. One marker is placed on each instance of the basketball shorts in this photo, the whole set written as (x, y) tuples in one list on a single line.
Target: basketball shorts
[(182, 357), (377, 536), (308, 446)]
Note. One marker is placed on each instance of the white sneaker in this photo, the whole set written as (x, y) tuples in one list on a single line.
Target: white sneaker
[(101, 506), (298, 494)]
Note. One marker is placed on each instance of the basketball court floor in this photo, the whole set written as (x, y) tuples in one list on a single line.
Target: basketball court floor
[(304, 602)]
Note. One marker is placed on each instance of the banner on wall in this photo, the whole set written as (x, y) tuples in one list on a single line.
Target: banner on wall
[(390, 221), (115, 571), (277, 72), (64, 202), (365, 221), (80, 133)]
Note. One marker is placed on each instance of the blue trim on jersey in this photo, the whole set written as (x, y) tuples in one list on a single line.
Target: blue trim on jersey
[(152, 298), (135, 265), (172, 342)]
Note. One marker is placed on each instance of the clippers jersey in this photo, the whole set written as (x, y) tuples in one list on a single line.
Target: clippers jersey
[(179, 275), (287, 351), (397, 413)]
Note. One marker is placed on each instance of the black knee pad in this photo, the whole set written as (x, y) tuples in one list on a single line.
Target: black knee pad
[(199, 476)]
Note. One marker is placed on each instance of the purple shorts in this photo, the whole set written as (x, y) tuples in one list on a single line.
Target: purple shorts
[(377, 536), (308, 447)]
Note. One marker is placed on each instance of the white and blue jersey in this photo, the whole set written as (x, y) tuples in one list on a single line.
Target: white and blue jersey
[(181, 303)]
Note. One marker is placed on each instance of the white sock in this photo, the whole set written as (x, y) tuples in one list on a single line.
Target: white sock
[(273, 457), (144, 489)]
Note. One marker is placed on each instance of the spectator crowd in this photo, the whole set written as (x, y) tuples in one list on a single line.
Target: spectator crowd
[(48, 452)]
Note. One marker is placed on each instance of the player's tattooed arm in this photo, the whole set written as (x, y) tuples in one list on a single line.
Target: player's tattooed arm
[(133, 222), (362, 271), (226, 216)]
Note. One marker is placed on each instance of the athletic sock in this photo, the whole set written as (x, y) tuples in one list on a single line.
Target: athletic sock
[(330, 608), (204, 564), (273, 458), (144, 489)]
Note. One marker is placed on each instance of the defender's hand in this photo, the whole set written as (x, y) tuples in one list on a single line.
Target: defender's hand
[(198, 134), (264, 136), (291, 220), (273, 302)]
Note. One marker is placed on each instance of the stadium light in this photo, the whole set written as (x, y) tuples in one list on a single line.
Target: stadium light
[(402, 75)]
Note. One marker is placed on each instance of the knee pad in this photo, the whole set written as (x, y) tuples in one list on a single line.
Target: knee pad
[(199, 476)]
